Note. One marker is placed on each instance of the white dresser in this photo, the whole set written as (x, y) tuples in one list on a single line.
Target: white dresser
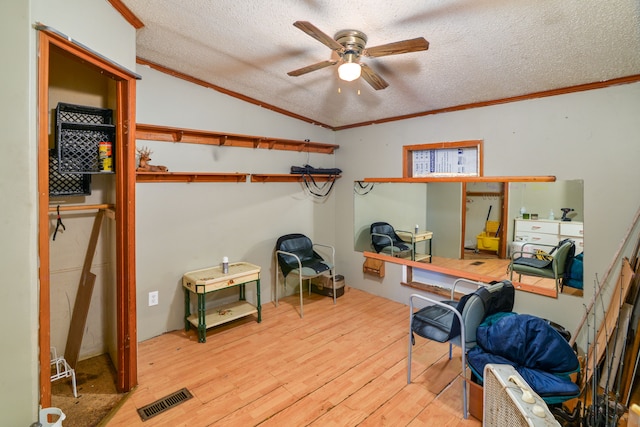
[(575, 231), (549, 232)]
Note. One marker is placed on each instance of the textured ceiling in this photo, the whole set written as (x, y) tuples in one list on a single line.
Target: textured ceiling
[(479, 50)]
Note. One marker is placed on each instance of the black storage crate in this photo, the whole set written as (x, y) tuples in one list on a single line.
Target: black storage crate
[(68, 184), (79, 132), (78, 147), (71, 113)]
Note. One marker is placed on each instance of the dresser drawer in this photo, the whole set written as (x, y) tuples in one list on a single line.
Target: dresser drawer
[(541, 238), (575, 229), (537, 227)]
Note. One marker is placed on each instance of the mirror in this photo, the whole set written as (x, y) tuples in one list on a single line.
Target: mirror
[(475, 226)]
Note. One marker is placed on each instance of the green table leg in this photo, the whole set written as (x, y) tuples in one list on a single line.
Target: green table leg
[(258, 306), (187, 310), (413, 253), (202, 326)]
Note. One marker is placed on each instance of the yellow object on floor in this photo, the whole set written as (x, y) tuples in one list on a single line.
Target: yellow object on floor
[(488, 240)]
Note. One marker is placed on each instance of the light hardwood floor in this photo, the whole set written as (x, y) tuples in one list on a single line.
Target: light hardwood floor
[(341, 365), (492, 266)]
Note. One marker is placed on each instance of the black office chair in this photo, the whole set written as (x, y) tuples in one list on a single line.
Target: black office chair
[(450, 320), (295, 254), (384, 239)]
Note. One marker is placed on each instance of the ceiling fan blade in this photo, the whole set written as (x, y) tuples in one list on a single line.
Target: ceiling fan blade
[(314, 32), (405, 46), (373, 78), (310, 68)]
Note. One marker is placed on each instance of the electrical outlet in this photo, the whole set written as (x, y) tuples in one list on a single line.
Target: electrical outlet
[(153, 298)]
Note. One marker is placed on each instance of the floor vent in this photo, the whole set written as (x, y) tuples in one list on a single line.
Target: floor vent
[(164, 404), (477, 263)]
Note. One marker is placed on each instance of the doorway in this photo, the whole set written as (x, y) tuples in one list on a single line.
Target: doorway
[(484, 217), (122, 83)]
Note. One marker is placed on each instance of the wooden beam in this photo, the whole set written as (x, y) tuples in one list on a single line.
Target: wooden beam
[(127, 14), (126, 322), (81, 207), (83, 297), (44, 294)]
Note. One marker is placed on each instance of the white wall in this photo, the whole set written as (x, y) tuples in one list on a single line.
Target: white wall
[(18, 226), (186, 227), (594, 136)]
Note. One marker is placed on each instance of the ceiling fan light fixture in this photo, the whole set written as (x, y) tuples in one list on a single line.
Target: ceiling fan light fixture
[(349, 70)]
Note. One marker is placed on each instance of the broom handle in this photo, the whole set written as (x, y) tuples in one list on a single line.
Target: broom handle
[(604, 279)]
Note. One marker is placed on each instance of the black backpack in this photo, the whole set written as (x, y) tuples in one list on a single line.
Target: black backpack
[(570, 255)]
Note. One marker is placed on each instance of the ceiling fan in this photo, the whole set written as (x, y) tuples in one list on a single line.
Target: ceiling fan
[(350, 46)]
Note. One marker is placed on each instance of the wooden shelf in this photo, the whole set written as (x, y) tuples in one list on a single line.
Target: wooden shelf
[(190, 177), (423, 257), (224, 177), (287, 177), (484, 194), (193, 136), (543, 178), (62, 207), (224, 313)]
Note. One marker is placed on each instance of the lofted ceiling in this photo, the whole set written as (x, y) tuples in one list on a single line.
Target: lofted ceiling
[(479, 50)]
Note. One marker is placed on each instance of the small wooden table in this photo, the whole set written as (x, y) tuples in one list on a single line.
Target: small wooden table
[(212, 279), (413, 238)]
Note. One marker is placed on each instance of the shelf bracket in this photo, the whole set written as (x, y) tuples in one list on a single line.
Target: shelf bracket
[(177, 136)]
